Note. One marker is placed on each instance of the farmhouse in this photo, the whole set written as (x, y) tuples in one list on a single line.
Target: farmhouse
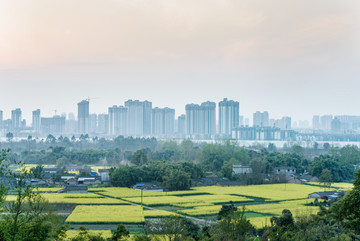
[(218, 181), (104, 175), (324, 195), (88, 180), (288, 171), (239, 169)]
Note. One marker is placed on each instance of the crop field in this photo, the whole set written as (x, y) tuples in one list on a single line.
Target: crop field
[(49, 189), (112, 205), (81, 198), (123, 192), (342, 185), (77, 198), (99, 214), (104, 233), (271, 192)]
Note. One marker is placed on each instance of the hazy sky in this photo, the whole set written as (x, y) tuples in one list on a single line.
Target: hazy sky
[(295, 58)]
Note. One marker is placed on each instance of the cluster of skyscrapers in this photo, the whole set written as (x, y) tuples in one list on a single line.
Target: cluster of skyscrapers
[(140, 119), (336, 124)]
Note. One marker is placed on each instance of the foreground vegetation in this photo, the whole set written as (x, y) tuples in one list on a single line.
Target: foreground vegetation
[(275, 211)]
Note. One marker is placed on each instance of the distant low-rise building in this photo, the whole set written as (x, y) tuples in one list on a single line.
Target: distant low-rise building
[(288, 171), (324, 195), (239, 169), (104, 175)]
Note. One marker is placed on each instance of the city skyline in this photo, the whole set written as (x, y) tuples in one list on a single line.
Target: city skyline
[(295, 59), (255, 118), (140, 119)]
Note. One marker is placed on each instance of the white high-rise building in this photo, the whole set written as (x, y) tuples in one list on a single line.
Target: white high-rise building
[(181, 125), (228, 116), (325, 122), (83, 117), (103, 124), (139, 117), (316, 122), (36, 120), (118, 120), (93, 121), (163, 121), (16, 119), (261, 119), (201, 120)]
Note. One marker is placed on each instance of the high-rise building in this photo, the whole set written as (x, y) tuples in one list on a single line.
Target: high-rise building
[(103, 123), (325, 122), (147, 117), (192, 119), (228, 116), (139, 117), (169, 121), (241, 120), (117, 120), (16, 119), (53, 125), (157, 121), (316, 122), (261, 119), (36, 121), (93, 122), (208, 110), (163, 121), (83, 117), (201, 120), (336, 125), (181, 124), (284, 123)]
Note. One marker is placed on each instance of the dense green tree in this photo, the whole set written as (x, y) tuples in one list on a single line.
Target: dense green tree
[(226, 209), (173, 228), (235, 226), (326, 177), (123, 176), (84, 235), (50, 139), (350, 154), (271, 147), (28, 217), (121, 233), (37, 171), (177, 180), (326, 146), (340, 171), (350, 207), (139, 158)]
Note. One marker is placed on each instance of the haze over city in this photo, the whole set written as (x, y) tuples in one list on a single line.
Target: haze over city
[(292, 59)]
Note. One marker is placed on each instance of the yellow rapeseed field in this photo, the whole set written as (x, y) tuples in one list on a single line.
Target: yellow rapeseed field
[(81, 198), (124, 192), (340, 185), (274, 192), (106, 214), (104, 233)]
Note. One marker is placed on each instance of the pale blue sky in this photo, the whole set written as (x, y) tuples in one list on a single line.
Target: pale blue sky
[(294, 58)]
